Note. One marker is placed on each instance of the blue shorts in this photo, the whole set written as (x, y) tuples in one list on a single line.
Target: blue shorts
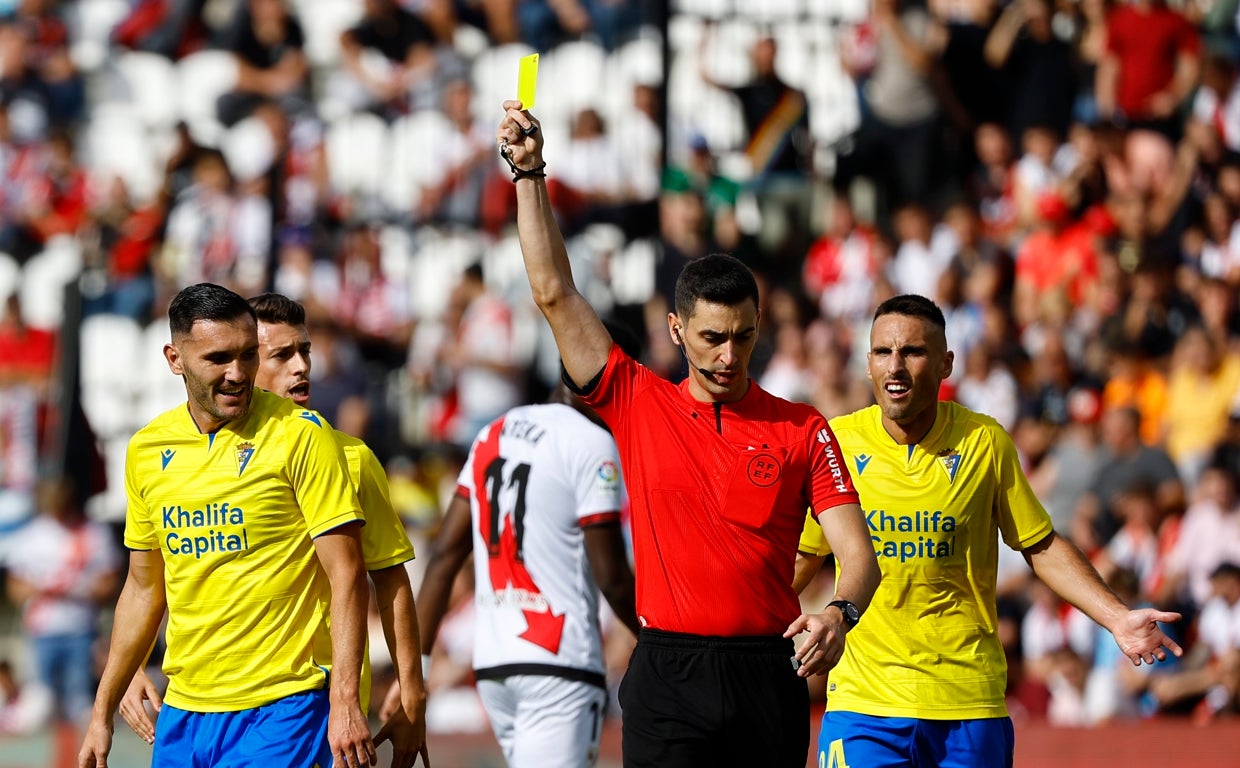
[(288, 732), (850, 739)]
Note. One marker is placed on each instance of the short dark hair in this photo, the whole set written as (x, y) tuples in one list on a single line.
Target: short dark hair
[(204, 301), (277, 309), (717, 278), (912, 305)]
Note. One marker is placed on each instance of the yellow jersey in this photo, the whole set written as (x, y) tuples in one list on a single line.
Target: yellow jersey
[(385, 542), (233, 514), (927, 646)]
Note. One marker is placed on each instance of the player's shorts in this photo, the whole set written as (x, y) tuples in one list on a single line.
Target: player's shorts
[(850, 739), (288, 732), (545, 721), (689, 700)]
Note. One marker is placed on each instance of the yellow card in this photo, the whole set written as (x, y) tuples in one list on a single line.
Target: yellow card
[(527, 80)]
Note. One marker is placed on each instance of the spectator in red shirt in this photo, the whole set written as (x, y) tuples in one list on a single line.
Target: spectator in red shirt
[(1151, 64)]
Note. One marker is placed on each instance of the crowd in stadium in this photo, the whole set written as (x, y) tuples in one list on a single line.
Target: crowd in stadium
[(1062, 178)]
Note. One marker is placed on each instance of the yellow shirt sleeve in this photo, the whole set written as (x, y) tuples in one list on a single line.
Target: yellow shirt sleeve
[(316, 470), (384, 540)]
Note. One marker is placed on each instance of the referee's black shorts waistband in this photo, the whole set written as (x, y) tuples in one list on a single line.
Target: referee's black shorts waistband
[(680, 641)]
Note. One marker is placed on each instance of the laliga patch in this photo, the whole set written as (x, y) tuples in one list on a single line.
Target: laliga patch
[(763, 470), (608, 474)]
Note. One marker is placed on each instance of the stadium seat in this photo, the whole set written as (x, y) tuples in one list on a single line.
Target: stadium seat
[(632, 272), (90, 24), (202, 77), (117, 144), (147, 80), (44, 279), (438, 261), (358, 161), (111, 349), (323, 21)]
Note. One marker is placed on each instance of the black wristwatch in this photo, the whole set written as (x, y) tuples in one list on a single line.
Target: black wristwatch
[(851, 614)]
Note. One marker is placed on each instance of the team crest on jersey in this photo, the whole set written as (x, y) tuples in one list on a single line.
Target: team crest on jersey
[(244, 452), (165, 456), (951, 462), (862, 461)]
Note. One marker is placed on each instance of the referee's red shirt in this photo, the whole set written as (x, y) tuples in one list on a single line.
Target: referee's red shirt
[(718, 494)]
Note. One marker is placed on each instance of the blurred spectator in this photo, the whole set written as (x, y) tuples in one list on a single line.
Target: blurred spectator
[(1058, 257), (267, 42), (482, 356), (384, 57), (989, 387), (62, 570), (1209, 536), (467, 156), (371, 308), (916, 267), (841, 266), (992, 182), (126, 234), (900, 108), (1151, 65), (719, 193), (217, 233), (339, 378), (26, 358), (1050, 625), (779, 151), (683, 237), (1203, 381), (48, 56), (1036, 173), (1134, 382), (1068, 470), (1143, 541), (1208, 678), (171, 28), (1036, 64), (1127, 462)]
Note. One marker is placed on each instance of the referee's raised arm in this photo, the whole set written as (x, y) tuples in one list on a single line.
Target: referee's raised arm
[(582, 339)]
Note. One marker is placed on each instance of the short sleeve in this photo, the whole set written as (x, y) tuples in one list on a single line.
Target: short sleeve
[(139, 527), (1023, 521), (319, 475)]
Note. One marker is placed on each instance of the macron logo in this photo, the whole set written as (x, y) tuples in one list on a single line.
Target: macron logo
[(166, 456), (863, 461), (311, 417)]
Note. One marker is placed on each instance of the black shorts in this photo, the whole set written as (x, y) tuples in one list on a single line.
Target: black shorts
[(689, 700)]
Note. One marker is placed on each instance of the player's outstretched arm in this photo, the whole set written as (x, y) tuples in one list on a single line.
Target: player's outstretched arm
[(138, 612), (1058, 563), (859, 576), (582, 340), (405, 725), (340, 553)]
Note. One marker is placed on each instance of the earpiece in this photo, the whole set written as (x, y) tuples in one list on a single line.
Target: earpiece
[(676, 333)]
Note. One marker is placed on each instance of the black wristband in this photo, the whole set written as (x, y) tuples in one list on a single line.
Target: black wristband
[(536, 172)]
